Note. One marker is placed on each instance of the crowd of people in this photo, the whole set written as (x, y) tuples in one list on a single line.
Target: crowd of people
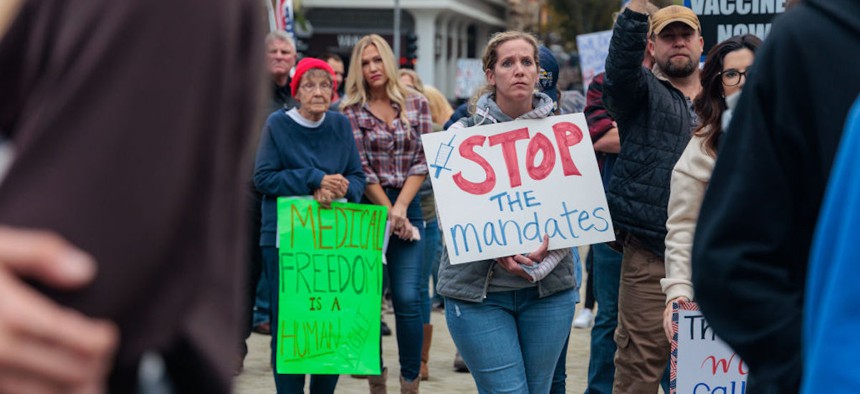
[(115, 187)]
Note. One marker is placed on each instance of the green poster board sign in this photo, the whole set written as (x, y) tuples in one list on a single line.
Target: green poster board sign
[(330, 287)]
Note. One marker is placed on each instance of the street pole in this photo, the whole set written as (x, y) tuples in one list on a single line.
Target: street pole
[(397, 32)]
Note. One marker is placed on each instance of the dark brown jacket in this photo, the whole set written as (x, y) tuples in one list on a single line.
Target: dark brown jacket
[(130, 122)]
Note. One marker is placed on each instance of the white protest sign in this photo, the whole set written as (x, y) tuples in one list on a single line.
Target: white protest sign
[(701, 362), (592, 49), (499, 188), (470, 77), (721, 19)]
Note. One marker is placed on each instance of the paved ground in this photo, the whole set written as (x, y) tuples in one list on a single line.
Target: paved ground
[(257, 375)]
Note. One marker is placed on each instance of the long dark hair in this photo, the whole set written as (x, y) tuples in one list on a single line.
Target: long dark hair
[(710, 103)]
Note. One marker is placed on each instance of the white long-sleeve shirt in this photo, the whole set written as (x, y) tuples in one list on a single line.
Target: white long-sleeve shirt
[(690, 178)]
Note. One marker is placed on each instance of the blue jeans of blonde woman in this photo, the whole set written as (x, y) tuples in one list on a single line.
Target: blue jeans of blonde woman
[(405, 268), (512, 340), (430, 266)]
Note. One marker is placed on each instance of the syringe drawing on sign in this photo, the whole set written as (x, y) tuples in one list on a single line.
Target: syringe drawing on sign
[(442, 157)]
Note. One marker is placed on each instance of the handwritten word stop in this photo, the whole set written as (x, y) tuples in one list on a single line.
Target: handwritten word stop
[(566, 135)]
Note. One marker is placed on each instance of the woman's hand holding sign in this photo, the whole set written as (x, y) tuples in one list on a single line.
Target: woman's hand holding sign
[(512, 263), (400, 225), (667, 316)]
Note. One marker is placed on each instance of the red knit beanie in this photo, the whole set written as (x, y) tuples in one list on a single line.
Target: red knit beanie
[(309, 63)]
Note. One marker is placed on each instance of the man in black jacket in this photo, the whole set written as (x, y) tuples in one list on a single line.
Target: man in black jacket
[(758, 216), (655, 119)]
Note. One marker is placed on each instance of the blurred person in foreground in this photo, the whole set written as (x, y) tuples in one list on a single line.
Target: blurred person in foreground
[(759, 213), (127, 130)]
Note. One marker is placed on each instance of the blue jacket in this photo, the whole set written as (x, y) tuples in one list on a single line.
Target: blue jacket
[(831, 323), (292, 160)]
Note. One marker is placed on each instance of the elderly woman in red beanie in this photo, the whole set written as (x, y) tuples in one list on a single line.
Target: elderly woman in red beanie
[(306, 151)]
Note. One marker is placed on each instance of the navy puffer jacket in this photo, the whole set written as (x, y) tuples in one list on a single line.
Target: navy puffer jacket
[(655, 125)]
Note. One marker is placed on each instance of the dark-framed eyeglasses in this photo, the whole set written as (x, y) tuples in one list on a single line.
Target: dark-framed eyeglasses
[(732, 77)]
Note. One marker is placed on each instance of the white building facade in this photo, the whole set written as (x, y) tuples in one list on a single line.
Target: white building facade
[(446, 29)]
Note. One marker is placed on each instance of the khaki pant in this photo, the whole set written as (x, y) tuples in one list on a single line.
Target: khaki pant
[(643, 349)]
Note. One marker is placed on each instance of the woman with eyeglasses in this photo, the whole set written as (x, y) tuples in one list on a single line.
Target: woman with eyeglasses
[(388, 120), (723, 77), (306, 151)]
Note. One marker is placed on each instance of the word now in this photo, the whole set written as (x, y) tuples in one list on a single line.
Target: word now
[(760, 30), (566, 135)]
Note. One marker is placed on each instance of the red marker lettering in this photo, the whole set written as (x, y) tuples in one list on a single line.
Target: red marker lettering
[(566, 135), (467, 151), (508, 140)]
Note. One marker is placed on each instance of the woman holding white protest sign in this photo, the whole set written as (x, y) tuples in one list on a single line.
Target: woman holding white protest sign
[(305, 151), (510, 316), (723, 77), (387, 122)]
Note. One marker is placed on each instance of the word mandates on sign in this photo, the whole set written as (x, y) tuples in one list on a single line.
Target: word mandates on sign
[(500, 188), (330, 287), (701, 363)]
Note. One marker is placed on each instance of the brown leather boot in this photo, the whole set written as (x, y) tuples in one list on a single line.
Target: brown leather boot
[(425, 351), (409, 387), (378, 382)]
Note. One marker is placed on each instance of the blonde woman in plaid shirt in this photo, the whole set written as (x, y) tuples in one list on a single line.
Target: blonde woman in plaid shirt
[(387, 121)]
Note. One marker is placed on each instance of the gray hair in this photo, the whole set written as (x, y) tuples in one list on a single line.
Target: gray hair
[(280, 35)]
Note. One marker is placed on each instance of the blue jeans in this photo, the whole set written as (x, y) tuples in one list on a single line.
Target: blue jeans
[(295, 384), (405, 268), (607, 273), (261, 301), (430, 266), (512, 340)]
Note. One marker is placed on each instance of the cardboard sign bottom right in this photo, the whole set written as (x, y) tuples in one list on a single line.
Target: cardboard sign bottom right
[(701, 363)]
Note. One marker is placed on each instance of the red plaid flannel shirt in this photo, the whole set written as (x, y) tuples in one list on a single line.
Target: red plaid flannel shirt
[(391, 153)]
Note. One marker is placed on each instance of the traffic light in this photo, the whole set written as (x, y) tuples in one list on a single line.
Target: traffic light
[(411, 50)]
